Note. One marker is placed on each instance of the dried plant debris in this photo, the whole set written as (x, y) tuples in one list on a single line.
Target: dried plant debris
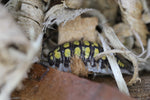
[(118, 45), (115, 68), (12, 6), (16, 53), (59, 14), (115, 43), (123, 32), (132, 16), (29, 15)]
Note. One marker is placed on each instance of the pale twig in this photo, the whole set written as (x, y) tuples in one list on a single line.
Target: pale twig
[(139, 40), (115, 69), (99, 15), (115, 43)]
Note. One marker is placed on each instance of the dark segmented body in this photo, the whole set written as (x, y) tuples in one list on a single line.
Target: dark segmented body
[(60, 57)]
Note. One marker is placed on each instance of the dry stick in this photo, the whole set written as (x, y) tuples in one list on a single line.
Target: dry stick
[(115, 69), (140, 42)]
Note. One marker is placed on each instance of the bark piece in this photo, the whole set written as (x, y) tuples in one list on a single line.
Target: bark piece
[(77, 29)]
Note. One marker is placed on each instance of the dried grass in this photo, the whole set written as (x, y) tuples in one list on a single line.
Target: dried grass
[(16, 53)]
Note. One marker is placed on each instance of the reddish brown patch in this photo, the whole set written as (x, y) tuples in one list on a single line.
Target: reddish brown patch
[(77, 67), (58, 85)]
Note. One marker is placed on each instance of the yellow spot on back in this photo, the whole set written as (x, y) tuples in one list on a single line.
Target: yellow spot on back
[(57, 54), (87, 52), (67, 53), (104, 57), (51, 54), (56, 50), (76, 43), (51, 57), (86, 43), (95, 44), (120, 63), (96, 51), (77, 51), (66, 45)]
